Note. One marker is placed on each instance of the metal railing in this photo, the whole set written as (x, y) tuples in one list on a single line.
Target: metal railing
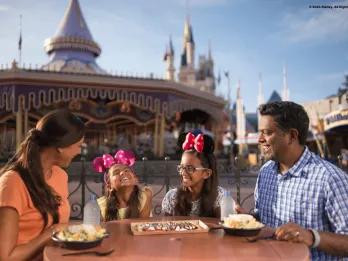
[(161, 175)]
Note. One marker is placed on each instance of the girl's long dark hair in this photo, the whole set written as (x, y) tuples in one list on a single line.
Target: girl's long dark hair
[(112, 203), (57, 129), (208, 195)]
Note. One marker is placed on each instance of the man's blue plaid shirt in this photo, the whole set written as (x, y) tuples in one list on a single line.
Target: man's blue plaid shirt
[(313, 194)]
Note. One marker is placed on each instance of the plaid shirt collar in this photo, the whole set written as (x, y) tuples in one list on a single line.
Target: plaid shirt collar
[(296, 169)]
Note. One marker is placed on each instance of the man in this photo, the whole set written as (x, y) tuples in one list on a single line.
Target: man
[(297, 192)]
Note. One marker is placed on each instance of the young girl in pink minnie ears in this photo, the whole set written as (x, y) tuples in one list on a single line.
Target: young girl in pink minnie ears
[(199, 194), (123, 197)]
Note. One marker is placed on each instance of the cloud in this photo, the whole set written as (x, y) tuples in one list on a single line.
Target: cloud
[(318, 24), (4, 8)]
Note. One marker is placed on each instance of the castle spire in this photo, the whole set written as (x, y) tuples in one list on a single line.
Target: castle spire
[(260, 99), (187, 73), (73, 48), (169, 59), (260, 96), (241, 121), (187, 57), (285, 93), (210, 58)]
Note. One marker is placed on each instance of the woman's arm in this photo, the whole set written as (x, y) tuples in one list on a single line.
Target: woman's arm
[(146, 211), (9, 220)]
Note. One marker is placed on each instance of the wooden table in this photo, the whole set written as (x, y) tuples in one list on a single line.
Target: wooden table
[(214, 245)]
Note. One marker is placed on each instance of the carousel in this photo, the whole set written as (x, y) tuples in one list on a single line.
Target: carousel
[(146, 114)]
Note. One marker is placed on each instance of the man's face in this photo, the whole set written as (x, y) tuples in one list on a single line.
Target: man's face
[(273, 142)]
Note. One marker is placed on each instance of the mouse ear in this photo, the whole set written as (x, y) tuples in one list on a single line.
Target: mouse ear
[(208, 144)]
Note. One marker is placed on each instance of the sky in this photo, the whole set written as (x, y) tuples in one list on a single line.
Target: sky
[(248, 37)]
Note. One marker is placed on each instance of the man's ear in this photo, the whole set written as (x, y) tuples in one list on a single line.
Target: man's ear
[(60, 150), (293, 135)]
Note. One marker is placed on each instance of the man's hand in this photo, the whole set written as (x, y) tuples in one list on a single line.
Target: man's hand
[(294, 233), (239, 209)]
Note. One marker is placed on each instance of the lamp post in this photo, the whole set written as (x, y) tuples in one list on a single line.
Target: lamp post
[(167, 179), (144, 159), (229, 113)]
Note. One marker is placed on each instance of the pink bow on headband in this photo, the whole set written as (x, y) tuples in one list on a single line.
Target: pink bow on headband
[(192, 142), (101, 164)]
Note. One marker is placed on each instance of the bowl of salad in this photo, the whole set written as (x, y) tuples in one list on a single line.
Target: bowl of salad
[(80, 236)]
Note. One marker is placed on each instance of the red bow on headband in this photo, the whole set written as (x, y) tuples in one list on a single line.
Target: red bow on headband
[(101, 164), (192, 142)]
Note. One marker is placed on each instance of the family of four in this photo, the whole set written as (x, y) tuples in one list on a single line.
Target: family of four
[(303, 197)]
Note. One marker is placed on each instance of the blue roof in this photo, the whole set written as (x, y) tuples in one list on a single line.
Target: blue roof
[(274, 97)]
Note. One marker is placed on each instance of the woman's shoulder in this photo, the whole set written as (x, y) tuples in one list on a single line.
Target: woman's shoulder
[(60, 173), (10, 177), (169, 201), (171, 193)]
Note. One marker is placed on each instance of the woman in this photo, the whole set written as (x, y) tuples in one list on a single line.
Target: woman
[(198, 194), (123, 198), (34, 187)]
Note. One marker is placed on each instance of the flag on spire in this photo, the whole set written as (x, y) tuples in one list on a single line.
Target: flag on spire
[(218, 78), (20, 41), (20, 34)]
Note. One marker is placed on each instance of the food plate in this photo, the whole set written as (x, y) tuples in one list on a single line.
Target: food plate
[(80, 237), (242, 232), (241, 225), (168, 227)]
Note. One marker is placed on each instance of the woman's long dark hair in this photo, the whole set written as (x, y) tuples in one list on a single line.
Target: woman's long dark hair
[(57, 129), (208, 195)]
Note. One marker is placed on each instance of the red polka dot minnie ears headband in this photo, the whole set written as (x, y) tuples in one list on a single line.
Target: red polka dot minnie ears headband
[(193, 142), (105, 162)]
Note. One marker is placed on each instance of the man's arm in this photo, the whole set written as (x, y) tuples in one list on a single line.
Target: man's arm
[(334, 244), (331, 243)]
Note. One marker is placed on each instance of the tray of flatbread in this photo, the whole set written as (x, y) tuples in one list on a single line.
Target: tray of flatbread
[(168, 227)]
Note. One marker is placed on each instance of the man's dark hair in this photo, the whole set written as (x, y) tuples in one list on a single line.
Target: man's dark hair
[(288, 115)]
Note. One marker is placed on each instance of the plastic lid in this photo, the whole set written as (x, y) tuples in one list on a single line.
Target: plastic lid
[(227, 193), (92, 197)]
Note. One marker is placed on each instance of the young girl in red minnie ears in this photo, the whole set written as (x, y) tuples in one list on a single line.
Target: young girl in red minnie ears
[(123, 198), (199, 194)]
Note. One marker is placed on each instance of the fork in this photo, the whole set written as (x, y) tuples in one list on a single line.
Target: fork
[(89, 252)]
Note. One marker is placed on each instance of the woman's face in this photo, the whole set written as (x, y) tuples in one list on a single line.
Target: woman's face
[(66, 154), (121, 176), (192, 171)]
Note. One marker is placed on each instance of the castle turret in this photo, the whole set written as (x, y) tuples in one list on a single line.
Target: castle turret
[(187, 67), (73, 48), (169, 59)]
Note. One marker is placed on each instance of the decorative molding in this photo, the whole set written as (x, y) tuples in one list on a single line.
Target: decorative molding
[(155, 102)]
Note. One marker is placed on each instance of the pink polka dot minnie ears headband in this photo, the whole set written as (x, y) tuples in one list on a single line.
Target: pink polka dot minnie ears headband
[(193, 142), (105, 162)]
